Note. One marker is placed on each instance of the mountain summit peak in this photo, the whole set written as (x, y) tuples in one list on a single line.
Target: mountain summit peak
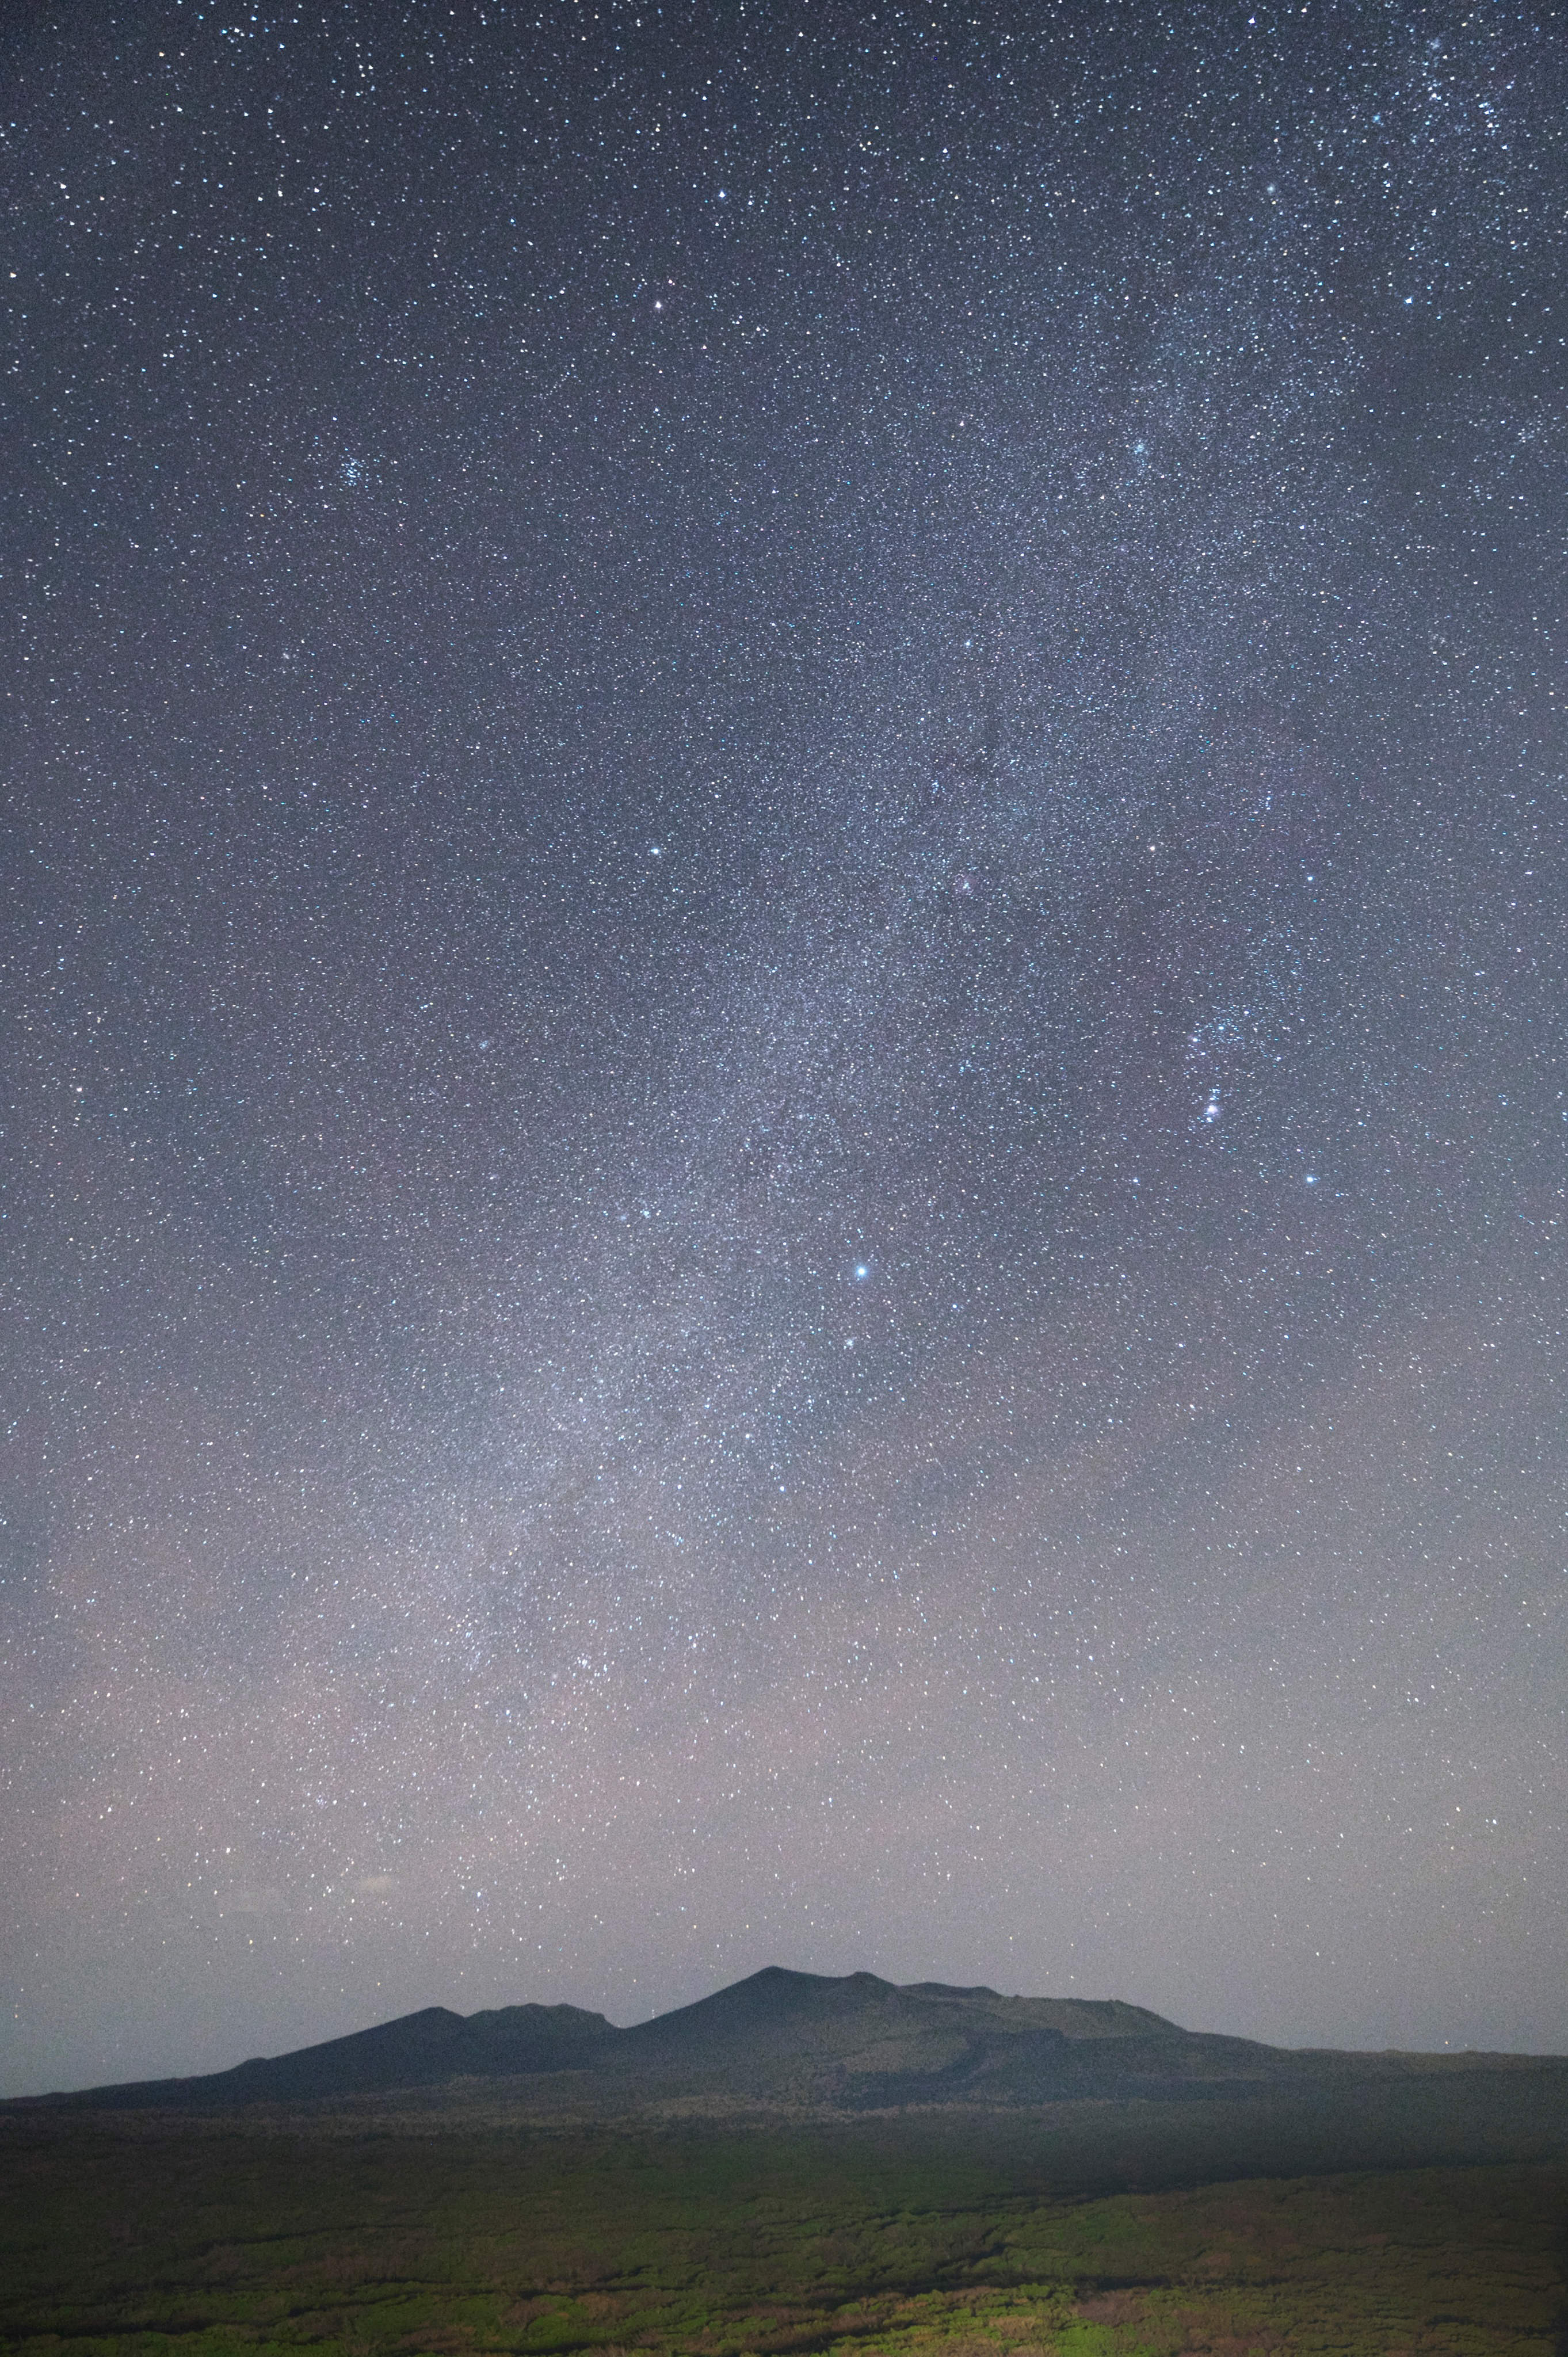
[(850, 2042)]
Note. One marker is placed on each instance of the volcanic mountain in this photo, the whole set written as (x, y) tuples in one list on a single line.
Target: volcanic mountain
[(788, 2039)]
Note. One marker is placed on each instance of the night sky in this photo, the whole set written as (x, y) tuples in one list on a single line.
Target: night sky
[(782, 961)]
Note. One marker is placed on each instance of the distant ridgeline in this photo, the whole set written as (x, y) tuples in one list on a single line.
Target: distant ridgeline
[(797, 2039)]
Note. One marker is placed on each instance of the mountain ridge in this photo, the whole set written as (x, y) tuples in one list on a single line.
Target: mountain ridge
[(849, 2044)]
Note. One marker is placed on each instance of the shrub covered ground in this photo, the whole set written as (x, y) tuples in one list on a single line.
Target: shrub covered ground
[(921, 2236)]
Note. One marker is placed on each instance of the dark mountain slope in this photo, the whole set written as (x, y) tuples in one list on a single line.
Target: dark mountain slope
[(860, 2040), (420, 2050), (801, 2041)]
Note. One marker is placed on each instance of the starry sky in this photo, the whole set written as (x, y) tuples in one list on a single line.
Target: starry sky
[(783, 976)]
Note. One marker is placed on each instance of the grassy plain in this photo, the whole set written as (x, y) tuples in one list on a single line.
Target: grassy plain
[(1077, 2234)]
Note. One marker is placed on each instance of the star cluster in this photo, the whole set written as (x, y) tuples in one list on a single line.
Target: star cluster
[(785, 1107)]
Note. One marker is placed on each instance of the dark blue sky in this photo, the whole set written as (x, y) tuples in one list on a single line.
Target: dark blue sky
[(784, 1103)]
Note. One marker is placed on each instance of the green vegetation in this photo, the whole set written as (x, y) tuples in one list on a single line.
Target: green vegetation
[(932, 2237)]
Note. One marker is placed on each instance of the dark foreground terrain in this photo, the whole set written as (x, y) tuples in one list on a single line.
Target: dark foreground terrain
[(797, 2164), (1082, 2229)]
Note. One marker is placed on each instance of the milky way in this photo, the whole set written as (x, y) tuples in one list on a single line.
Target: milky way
[(784, 989)]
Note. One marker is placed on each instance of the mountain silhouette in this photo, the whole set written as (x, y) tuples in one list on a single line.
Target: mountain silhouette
[(800, 2039), (420, 2050)]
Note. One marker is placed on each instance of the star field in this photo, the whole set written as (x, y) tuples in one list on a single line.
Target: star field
[(782, 956)]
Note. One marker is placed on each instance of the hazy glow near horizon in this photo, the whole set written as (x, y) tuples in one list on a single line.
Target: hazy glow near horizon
[(783, 965)]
